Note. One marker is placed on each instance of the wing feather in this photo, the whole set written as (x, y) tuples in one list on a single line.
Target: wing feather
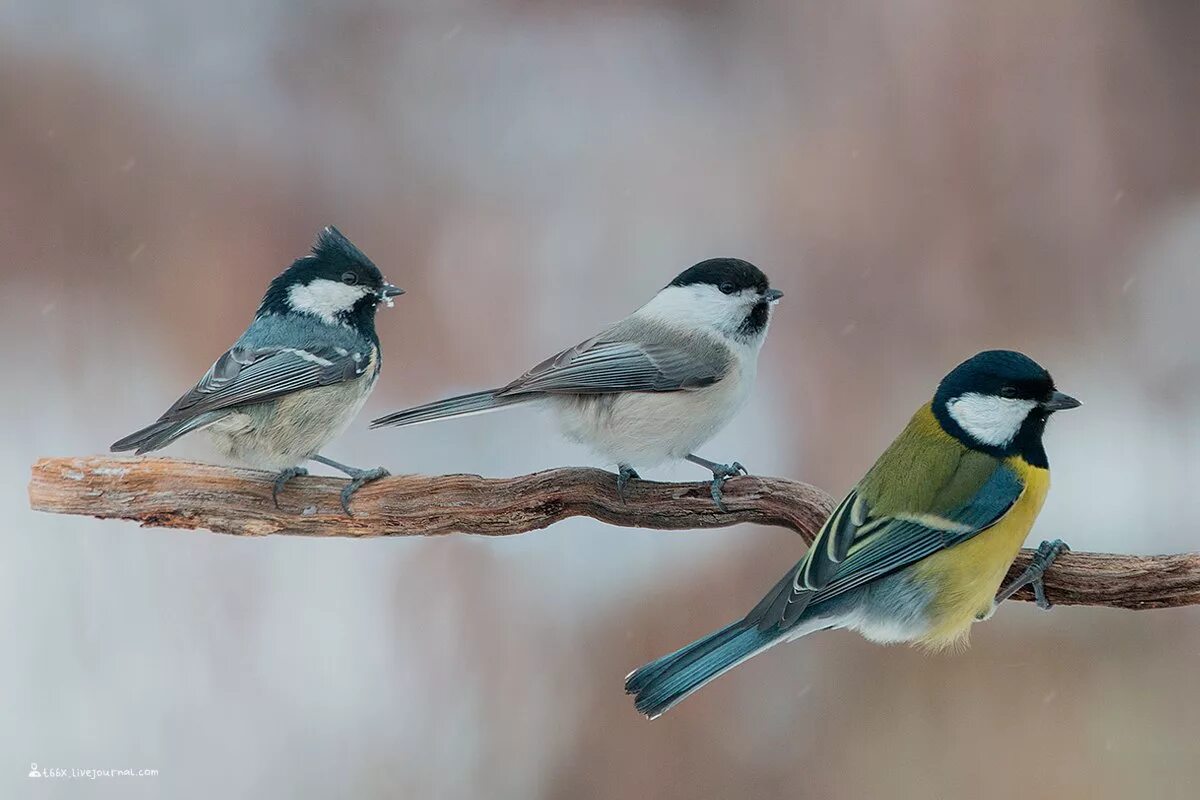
[(242, 376), (846, 555), (621, 360)]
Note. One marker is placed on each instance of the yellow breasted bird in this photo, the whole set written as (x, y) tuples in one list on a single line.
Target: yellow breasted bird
[(917, 551)]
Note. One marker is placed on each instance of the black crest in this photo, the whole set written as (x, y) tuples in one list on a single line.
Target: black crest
[(333, 248), (333, 257), (725, 271)]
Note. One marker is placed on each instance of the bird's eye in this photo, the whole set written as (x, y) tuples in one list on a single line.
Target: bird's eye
[(727, 287), (1009, 392), (349, 278)]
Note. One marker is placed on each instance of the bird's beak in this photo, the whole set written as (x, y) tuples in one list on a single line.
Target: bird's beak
[(388, 292), (772, 295), (1060, 402)]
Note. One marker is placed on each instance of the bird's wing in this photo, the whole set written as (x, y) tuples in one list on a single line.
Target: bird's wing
[(246, 375), (860, 543), (627, 359)]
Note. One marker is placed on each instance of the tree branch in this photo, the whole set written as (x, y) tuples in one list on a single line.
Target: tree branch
[(179, 494)]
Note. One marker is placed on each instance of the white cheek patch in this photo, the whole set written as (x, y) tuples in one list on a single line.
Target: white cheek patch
[(702, 305), (325, 298), (990, 419)]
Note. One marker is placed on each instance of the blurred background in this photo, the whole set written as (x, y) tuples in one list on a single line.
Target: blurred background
[(923, 179)]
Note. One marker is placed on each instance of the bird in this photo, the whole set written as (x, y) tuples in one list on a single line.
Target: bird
[(653, 387), (298, 375), (918, 549)]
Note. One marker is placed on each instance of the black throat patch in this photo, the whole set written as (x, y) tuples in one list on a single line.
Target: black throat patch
[(756, 321)]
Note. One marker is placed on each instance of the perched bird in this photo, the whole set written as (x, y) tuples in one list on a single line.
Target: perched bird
[(656, 385), (917, 551), (297, 376)]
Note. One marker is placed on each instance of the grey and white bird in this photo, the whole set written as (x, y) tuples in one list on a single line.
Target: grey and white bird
[(299, 374), (655, 386)]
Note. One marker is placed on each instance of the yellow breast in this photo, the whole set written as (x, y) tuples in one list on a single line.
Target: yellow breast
[(968, 575)]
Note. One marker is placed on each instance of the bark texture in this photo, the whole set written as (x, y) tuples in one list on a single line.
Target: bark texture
[(167, 493)]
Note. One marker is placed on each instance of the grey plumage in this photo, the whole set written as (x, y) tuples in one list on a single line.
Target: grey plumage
[(460, 406), (633, 355), (160, 434), (264, 365)]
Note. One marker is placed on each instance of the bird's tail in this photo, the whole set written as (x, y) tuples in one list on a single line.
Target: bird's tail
[(159, 435), (661, 684), (461, 406)]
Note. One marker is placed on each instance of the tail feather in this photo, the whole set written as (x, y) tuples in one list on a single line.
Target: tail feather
[(461, 406), (661, 684), (159, 435), (153, 437)]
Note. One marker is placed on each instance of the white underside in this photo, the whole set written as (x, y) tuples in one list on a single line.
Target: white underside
[(885, 630), (872, 627), (645, 429), (289, 431)]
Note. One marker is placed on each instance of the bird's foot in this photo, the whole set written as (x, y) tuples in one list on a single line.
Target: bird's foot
[(722, 473), (359, 479), (281, 480), (1046, 553), (625, 474)]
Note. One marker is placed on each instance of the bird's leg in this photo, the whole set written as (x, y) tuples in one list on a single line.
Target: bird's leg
[(721, 473), (282, 478), (1042, 559), (359, 478), (625, 474)]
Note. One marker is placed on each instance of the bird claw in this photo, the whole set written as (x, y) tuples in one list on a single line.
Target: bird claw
[(281, 480), (624, 476), (722, 473), (1046, 553), (360, 478)]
